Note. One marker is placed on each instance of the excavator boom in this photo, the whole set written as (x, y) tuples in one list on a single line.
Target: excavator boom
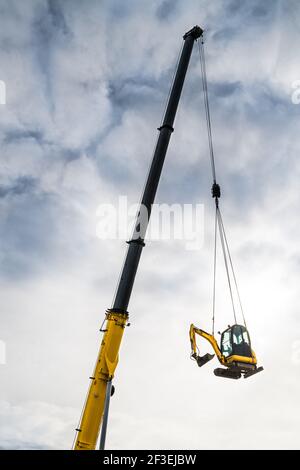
[(201, 360)]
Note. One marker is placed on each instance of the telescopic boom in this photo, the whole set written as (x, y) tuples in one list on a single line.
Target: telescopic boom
[(117, 316)]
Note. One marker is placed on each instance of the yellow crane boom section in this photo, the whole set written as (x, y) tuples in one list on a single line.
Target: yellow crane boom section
[(107, 360), (211, 339)]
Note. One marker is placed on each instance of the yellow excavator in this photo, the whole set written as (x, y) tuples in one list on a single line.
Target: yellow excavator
[(235, 352)]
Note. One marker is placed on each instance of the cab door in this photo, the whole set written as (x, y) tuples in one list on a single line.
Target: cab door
[(240, 341)]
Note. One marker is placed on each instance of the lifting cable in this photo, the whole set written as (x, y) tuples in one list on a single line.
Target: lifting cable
[(216, 193), (232, 270)]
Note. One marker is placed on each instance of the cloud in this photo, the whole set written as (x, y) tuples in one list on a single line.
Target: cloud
[(20, 186), (34, 425)]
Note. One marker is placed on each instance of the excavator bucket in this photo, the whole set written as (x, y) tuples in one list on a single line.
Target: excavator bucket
[(201, 360)]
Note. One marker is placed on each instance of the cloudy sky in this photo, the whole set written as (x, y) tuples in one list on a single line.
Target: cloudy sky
[(86, 84)]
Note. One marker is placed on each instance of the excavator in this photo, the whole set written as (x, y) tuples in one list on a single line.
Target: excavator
[(234, 353), (96, 407)]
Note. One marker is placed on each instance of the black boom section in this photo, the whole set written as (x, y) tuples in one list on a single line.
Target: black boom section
[(136, 244)]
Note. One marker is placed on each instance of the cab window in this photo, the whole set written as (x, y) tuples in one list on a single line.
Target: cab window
[(240, 335), (226, 347), (240, 341)]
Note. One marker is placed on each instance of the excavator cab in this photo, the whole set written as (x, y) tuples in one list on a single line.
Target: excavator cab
[(235, 352), (236, 341)]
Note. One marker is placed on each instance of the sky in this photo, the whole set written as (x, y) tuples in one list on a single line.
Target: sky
[(86, 85)]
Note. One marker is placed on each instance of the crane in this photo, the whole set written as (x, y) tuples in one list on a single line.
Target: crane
[(95, 410)]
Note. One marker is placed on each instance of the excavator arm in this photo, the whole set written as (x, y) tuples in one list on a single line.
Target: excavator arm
[(201, 360)]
